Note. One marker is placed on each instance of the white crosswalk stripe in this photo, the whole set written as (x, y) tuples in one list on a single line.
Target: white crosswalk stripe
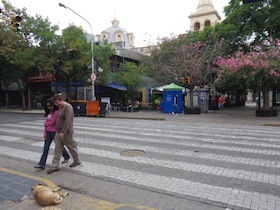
[(181, 186), (222, 164)]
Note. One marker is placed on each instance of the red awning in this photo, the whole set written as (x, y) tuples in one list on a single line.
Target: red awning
[(36, 79)]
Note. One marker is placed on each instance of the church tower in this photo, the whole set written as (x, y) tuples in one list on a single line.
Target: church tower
[(206, 15), (117, 35)]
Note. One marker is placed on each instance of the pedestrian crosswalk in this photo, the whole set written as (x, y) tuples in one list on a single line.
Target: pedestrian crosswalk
[(225, 165)]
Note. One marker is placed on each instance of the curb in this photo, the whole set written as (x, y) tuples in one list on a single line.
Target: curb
[(137, 118), (43, 180), (107, 116), (271, 124)]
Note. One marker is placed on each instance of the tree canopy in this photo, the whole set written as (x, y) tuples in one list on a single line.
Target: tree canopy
[(37, 47), (260, 67), (129, 75)]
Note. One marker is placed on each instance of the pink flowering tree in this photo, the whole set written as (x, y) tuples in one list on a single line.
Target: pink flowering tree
[(180, 57), (260, 67)]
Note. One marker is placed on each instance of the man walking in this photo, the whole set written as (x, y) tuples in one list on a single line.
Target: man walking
[(175, 105), (221, 102), (64, 134)]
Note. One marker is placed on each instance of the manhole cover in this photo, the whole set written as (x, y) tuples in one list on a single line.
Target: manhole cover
[(132, 153)]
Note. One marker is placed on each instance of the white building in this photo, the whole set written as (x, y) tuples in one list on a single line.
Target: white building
[(116, 35)]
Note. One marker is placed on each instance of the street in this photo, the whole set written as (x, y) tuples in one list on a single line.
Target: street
[(161, 164)]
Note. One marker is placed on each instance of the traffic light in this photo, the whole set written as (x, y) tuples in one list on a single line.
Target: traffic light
[(15, 22), (182, 80), (188, 80)]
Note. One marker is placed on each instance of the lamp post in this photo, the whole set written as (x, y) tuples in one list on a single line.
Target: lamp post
[(92, 56)]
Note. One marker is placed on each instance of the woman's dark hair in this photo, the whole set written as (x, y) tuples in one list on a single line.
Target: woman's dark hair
[(49, 101)]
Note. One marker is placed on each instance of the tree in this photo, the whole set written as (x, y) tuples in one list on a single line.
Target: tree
[(38, 48), (129, 75), (32, 48), (42, 39), (273, 24), (233, 84), (74, 56), (252, 22), (260, 67), (12, 44), (185, 56), (245, 25), (102, 54)]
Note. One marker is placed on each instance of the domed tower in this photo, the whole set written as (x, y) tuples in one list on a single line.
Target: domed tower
[(117, 36), (206, 15)]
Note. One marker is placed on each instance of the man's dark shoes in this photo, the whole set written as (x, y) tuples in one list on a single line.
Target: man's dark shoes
[(39, 167), (51, 170), (74, 164)]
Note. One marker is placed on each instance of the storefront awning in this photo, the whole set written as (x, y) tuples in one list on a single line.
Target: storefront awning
[(63, 84), (170, 86), (117, 86)]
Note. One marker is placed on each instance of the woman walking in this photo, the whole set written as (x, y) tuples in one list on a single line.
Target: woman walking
[(51, 114)]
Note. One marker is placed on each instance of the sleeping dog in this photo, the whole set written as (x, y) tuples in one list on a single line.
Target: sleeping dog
[(46, 196)]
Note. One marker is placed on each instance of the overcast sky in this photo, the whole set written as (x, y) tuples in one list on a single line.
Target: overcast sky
[(146, 19)]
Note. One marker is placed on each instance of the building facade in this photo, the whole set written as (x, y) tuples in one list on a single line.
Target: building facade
[(117, 36)]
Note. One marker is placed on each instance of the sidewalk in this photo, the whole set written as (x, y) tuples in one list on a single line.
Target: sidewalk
[(15, 194), (235, 115)]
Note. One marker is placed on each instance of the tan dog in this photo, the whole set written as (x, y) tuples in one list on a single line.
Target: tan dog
[(46, 196)]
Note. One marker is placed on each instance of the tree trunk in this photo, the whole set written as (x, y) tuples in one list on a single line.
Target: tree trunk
[(265, 93), (23, 99), (22, 91), (7, 101), (29, 98)]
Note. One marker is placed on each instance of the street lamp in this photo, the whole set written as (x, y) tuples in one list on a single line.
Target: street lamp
[(92, 57)]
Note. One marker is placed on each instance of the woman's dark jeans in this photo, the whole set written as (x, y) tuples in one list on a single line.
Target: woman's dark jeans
[(48, 141)]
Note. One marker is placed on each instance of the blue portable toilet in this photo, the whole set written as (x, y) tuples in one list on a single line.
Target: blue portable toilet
[(169, 92)]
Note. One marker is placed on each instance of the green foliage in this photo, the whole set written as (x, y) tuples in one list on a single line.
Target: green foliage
[(74, 56), (12, 44), (257, 69), (273, 24), (254, 22), (129, 75), (185, 55), (246, 25), (231, 83), (39, 31), (38, 47), (102, 54), (30, 48)]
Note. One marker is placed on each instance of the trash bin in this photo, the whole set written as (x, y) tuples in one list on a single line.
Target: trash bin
[(92, 108), (79, 108), (102, 109)]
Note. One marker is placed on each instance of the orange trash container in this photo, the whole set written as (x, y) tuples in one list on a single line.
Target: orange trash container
[(92, 108)]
